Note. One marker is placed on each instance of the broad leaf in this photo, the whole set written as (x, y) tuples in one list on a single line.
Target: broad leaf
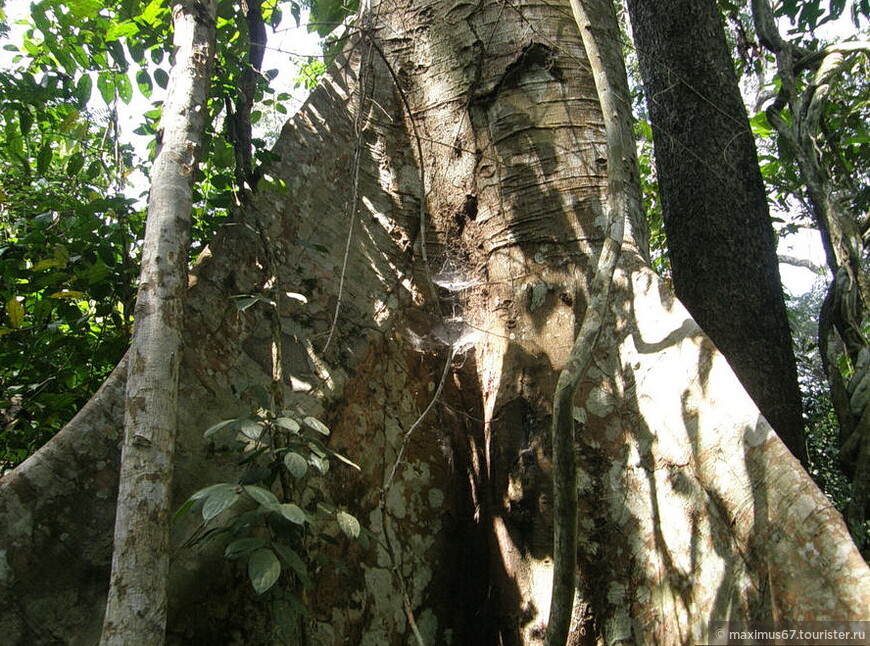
[(161, 77), (349, 524), (263, 496), (296, 464), (287, 422), (252, 429), (143, 80), (125, 88), (106, 87), (293, 513), (205, 492), (15, 312), (211, 430), (75, 164), (218, 501), (264, 568), (123, 29), (319, 463), (84, 9), (83, 89), (316, 424), (43, 160), (243, 546), (295, 562)]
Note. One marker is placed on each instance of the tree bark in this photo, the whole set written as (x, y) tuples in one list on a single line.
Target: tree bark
[(476, 128), (622, 207), (137, 605), (721, 241)]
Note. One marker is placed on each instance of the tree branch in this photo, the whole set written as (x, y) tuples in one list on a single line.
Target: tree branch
[(794, 261)]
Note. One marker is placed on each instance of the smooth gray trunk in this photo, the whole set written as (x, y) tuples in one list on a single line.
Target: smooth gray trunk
[(137, 601)]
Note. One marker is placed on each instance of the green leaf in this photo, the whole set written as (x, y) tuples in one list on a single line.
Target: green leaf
[(287, 422), (211, 430), (119, 30), (84, 9), (317, 425), (856, 139), (296, 464), (293, 513), (67, 294), (263, 496), (186, 507), (106, 87), (116, 51), (161, 77), (25, 120), (70, 120), (295, 562), (125, 88), (43, 159), (205, 492), (15, 312), (137, 51), (252, 429), (151, 14), (81, 56), (75, 163), (143, 80), (61, 255), (761, 126), (218, 501), (319, 463), (275, 18), (37, 14), (244, 545), (45, 263), (348, 524), (244, 302), (264, 568)]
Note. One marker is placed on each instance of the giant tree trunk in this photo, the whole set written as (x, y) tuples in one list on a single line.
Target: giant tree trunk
[(720, 238), (462, 147)]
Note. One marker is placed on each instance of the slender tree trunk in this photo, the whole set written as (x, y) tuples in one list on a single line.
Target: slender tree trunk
[(475, 130), (721, 242), (137, 605)]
